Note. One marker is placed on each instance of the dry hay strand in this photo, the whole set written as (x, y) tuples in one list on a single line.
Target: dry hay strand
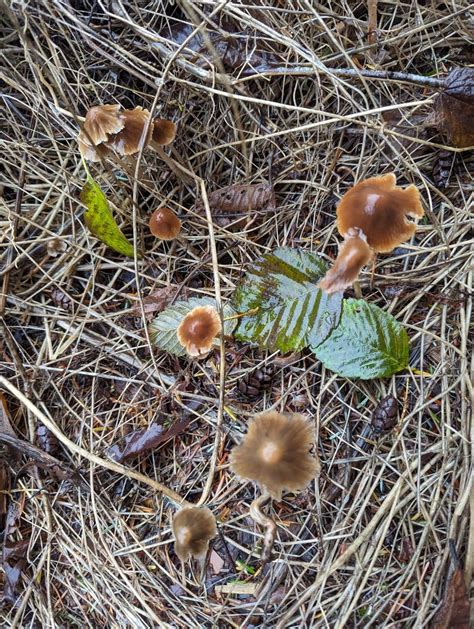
[(369, 547)]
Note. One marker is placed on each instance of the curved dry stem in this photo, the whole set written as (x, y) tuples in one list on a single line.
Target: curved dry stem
[(266, 521)]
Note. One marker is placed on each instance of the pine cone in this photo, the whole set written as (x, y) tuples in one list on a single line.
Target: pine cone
[(255, 382), (443, 166), (385, 415)]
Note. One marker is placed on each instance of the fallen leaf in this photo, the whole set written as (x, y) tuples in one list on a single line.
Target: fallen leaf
[(156, 301), (216, 562), (453, 118), (454, 612), (247, 589), (13, 563), (10, 455), (41, 459), (100, 221)]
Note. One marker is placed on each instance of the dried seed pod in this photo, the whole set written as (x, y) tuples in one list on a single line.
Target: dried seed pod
[(198, 329), (241, 198), (255, 382), (353, 255), (164, 224), (379, 208), (134, 133), (443, 166), (385, 415), (275, 453), (193, 528)]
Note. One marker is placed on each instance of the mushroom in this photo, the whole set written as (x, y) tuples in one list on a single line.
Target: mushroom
[(275, 454), (197, 330), (100, 123), (164, 224), (379, 210), (164, 132), (193, 528), (354, 254), (135, 133)]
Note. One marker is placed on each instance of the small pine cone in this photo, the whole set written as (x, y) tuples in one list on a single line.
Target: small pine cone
[(252, 384), (443, 166), (384, 417)]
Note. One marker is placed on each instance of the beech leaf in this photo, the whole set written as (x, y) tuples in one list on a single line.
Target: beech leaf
[(100, 221), (163, 327), (290, 311), (367, 343)]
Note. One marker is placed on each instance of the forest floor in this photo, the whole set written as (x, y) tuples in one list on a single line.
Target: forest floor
[(257, 99)]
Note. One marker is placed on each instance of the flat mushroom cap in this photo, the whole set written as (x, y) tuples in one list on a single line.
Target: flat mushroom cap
[(164, 224), (275, 453), (380, 208), (354, 254), (101, 122), (197, 330), (164, 131), (193, 528), (130, 138)]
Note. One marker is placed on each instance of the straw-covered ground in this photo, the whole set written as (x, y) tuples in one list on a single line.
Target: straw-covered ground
[(256, 98)]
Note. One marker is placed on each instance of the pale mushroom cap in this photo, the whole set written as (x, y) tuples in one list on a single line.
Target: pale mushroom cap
[(198, 329), (354, 254), (379, 208), (164, 224), (275, 453), (91, 153), (132, 136), (101, 122), (164, 131), (193, 528)]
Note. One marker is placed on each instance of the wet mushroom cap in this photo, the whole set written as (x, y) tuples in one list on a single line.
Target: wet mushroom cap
[(164, 131), (198, 329), (275, 453), (164, 224), (91, 153), (354, 254), (193, 528), (380, 208), (101, 122), (134, 132)]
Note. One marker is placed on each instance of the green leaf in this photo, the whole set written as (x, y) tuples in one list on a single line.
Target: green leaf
[(368, 343), (291, 311), (163, 327), (100, 221)]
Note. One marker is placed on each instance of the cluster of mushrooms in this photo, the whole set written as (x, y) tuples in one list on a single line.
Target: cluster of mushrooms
[(372, 217)]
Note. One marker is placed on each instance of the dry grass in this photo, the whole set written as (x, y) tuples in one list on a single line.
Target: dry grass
[(373, 552)]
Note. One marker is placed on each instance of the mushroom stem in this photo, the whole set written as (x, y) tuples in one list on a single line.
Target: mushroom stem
[(357, 289), (266, 521)]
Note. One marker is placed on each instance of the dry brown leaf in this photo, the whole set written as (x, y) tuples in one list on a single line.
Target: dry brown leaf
[(454, 612), (156, 301)]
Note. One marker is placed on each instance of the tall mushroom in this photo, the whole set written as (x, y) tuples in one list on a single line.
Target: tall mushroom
[(373, 218), (275, 454)]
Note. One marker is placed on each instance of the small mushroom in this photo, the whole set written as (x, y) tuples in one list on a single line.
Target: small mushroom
[(378, 210), (275, 453), (134, 133), (354, 254), (198, 329), (164, 224), (101, 122), (164, 132), (193, 528)]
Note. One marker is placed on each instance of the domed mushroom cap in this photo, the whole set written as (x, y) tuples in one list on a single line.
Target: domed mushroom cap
[(164, 224), (354, 254), (193, 528), (101, 122), (197, 330), (275, 453), (132, 136), (380, 208), (164, 131)]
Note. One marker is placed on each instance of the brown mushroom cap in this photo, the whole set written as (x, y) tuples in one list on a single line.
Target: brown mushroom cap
[(164, 131), (164, 224), (132, 136), (193, 528), (101, 122), (91, 153), (198, 329), (275, 453), (380, 208), (354, 253)]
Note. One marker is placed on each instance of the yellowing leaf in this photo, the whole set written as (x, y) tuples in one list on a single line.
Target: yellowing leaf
[(100, 221)]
